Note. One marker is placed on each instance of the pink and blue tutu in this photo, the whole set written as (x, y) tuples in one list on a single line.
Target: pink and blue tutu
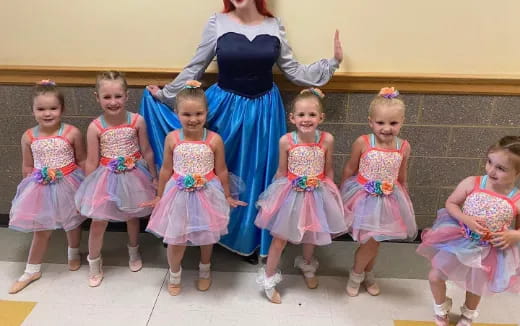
[(193, 210), (468, 259), (44, 200), (376, 206), (305, 206), (121, 182)]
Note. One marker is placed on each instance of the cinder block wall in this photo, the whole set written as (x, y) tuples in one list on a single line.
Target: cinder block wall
[(449, 135)]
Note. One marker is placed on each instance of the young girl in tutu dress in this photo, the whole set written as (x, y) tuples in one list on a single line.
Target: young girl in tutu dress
[(119, 169), (52, 153), (472, 242), (302, 205), (374, 190), (193, 198)]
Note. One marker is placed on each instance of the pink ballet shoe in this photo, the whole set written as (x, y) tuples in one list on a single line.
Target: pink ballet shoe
[(136, 265), (203, 284), (95, 276), (370, 284), (74, 264), (174, 289), (442, 320), (20, 285)]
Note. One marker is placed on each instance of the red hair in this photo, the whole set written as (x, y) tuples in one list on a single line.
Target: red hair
[(261, 6)]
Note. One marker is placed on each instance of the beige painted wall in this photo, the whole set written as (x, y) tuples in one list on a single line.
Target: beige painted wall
[(403, 36)]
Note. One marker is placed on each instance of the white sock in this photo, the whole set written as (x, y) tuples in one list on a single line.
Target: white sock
[(30, 269), (133, 253), (175, 277), (204, 271), (73, 254), (94, 265)]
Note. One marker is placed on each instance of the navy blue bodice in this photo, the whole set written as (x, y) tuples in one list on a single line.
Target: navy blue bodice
[(245, 67)]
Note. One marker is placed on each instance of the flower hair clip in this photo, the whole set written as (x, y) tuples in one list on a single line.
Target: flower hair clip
[(46, 82), (193, 84), (314, 90), (389, 92)]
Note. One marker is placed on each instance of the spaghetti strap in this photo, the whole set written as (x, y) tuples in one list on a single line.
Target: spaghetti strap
[(320, 137), (67, 130), (294, 136), (516, 196), (30, 135), (133, 120), (98, 123), (366, 138), (404, 144), (513, 193), (289, 137), (483, 182), (60, 131)]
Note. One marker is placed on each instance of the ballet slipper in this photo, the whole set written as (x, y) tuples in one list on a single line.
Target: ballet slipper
[(20, 285)]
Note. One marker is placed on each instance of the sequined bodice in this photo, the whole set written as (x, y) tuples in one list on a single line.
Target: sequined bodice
[(306, 160), (193, 158), (495, 212), (52, 152), (119, 141), (382, 165)]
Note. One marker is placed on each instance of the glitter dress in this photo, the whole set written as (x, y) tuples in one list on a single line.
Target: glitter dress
[(122, 182), (193, 209), (468, 258), (305, 206), (376, 205), (45, 199)]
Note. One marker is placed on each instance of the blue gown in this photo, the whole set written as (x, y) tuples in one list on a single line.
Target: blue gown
[(245, 108)]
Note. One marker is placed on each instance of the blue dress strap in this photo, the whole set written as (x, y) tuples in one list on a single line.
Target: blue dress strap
[(483, 182), (513, 192), (181, 134), (372, 140), (398, 143), (36, 131), (205, 134), (294, 136), (60, 131), (317, 136), (128, 118), (103, 122)]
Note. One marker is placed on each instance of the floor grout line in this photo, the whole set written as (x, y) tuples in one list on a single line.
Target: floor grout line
[(157, 298)]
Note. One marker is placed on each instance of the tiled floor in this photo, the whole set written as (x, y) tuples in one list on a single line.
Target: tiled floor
[(126, 298)]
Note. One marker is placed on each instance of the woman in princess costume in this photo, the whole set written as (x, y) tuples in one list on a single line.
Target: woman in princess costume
[(52, 153), (302, 205), (193, 197), (374, 190), (245, 107), (120, 170), (472, 242)]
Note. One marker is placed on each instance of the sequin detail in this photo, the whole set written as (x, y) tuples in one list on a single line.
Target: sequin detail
[(119, 141), (52, 152), (305, 183), (380, 165), (193, 158), (492, 212), (306, 160)]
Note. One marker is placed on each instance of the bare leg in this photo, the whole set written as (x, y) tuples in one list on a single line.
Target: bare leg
[(365, 256), (273, 257), (308, 252), (175, 255), (95, 238), (442, 304), (39, 245), (204, 281), (437, 286), (73, 256), (472, 301), (74, 237), (205, 254), (132, 227)]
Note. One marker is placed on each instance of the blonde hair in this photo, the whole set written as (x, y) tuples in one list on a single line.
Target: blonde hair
[(111, 76), (388, 96), (192, 91), (307, 93), (48, 87), (509, 144)]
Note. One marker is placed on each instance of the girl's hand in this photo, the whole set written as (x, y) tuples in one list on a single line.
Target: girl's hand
[(151, 203), (338, 49), (234, 202), (505, 239), (475, 226), (153, 89)]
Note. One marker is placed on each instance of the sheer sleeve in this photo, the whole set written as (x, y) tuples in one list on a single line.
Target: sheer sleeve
[(198, 64), (315, 74)]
